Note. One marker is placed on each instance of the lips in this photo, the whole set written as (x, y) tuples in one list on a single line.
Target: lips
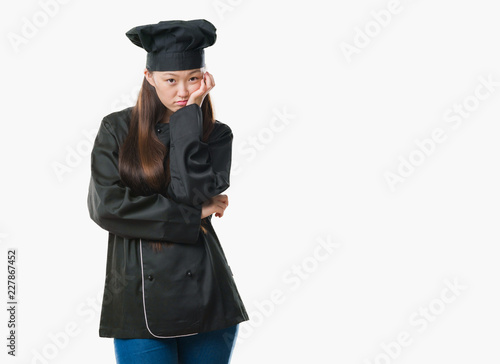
[(182, 102)]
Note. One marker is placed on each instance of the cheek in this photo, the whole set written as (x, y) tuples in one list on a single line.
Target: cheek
[(165, 94), (194, 86)]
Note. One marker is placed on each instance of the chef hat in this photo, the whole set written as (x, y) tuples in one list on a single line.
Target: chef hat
[(174, 45)]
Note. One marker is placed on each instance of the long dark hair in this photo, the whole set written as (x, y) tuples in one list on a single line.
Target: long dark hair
[(143, 161)]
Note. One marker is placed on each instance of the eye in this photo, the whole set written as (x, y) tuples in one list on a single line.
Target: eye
[(170, 79), (194, 78)]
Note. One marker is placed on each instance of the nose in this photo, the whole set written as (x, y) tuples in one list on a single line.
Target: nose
[(183, 90)]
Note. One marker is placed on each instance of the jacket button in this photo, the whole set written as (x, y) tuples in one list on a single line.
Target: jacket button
[(158, 130), (189, 274), (150, 277)]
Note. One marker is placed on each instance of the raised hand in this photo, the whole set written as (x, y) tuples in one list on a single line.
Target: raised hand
[(207, 83)]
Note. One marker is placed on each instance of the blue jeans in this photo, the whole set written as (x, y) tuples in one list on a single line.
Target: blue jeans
[(213, 347)]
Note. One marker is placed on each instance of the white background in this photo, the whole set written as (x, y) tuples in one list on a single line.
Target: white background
[(352, 120)]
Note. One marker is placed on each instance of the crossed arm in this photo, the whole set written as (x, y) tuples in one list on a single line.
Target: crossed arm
[(198, 171)]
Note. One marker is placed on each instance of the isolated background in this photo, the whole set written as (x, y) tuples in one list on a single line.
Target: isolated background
[(318, 181)]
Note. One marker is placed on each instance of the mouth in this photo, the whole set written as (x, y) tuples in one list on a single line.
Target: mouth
[(184, 102)]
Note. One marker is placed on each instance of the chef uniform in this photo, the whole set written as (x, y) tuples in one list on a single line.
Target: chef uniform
[(187, 287)]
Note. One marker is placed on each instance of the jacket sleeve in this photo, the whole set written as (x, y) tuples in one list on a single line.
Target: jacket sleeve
[(198, 170), (116, 209)]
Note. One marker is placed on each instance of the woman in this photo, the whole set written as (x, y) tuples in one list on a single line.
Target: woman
[(157, 173)]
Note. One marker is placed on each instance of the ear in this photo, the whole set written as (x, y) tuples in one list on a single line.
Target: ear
[(149, 77)]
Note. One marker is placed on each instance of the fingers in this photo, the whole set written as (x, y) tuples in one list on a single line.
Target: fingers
[(222, 198), (220, 203), (205, 85), (202, 90), (208, 80)]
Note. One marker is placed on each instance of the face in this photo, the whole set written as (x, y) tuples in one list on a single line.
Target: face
[(175, 86)]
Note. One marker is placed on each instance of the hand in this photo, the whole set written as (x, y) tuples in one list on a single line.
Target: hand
[(207, 83), (216, 204)]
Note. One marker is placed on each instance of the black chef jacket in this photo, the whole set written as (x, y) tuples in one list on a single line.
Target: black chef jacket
[(188, 286)]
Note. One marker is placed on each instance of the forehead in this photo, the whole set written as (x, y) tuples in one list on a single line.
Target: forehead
[(179, 73)]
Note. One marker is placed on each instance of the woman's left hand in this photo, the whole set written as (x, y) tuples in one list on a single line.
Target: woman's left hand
[(207, 83)]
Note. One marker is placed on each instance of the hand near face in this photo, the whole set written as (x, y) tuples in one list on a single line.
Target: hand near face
[(207, 83)]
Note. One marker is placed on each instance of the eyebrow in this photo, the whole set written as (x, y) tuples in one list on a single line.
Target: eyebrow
[(175, 74)]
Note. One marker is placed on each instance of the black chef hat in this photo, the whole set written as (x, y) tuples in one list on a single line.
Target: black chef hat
[(174, 45)]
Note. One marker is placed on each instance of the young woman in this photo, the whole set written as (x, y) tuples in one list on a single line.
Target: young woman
[(158, 170)]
